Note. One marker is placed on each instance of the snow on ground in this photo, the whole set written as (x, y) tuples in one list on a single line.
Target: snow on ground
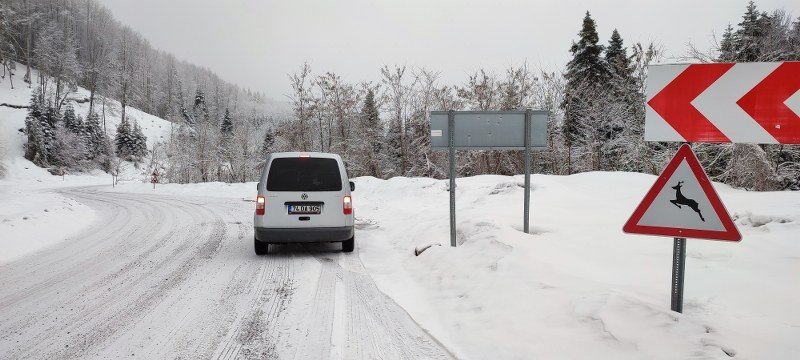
[(578, 285), (28, 202), (31, 220), (575, 287)]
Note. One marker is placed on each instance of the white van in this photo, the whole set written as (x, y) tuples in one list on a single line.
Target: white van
[(303, 197)]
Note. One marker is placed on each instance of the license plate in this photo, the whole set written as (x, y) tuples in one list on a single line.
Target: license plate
[(305, 209)]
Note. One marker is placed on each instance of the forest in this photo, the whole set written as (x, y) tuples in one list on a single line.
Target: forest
[(596, 105), (380, 127)]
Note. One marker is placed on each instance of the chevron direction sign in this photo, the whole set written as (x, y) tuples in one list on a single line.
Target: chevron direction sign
[(724, 102)]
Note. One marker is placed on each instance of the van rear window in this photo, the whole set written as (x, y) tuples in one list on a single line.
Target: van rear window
[(304, 174)]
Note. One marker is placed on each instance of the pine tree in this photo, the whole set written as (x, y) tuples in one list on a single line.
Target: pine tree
[(36, 149), (123, 140), (49, 120), (394, 148), (587, 76), (748, 37), (199, 109), (373, 133), (727, 50), (268, 143), (620, 105), (587, 63), (72, 122), (138, 142), (97, 142), (227, 125), (617, 58)]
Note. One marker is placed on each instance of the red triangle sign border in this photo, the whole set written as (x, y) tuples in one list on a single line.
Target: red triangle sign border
[(731, 233)]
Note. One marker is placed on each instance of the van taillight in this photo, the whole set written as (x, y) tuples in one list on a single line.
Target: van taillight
[(261, 204), (347, 205)]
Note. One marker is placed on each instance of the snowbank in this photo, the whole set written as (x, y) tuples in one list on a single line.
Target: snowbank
[(33, 219), (578, 285)]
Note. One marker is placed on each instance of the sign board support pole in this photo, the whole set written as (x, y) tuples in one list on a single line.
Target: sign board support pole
[(527, 210), (451, 141), (678, 271)]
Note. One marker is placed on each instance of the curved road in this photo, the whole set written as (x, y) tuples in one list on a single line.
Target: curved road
[(176, 277)]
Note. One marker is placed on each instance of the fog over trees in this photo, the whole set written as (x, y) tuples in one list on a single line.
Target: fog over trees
[(380, 127)]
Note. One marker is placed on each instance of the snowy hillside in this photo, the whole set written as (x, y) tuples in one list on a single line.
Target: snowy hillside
[(12, 119), (28, 205)]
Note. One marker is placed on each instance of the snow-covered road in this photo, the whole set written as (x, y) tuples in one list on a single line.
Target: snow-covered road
[(175, 277)]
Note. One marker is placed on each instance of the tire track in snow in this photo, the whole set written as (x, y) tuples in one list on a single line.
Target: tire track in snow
[(175, 277), (105, 307), (377, 328)]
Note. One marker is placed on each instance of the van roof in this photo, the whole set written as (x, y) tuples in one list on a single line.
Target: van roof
[(310, 154)]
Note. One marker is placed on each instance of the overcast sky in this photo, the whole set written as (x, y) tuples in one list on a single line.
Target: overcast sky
[(256, 43)]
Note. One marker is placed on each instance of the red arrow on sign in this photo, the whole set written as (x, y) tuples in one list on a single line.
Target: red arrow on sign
[(757, 102), (673, 102), (766, 103)]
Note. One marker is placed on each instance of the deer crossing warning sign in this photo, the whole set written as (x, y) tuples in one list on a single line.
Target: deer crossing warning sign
[(682, 203)]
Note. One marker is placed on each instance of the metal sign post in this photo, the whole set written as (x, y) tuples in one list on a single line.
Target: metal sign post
[(682, 204), (678, 271), (451, 130), (154, 178), (489, 130), (527, 207)]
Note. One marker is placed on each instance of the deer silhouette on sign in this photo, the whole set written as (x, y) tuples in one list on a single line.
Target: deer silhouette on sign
[(682, 200)]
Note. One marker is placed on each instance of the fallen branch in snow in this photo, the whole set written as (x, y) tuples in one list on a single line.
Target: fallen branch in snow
[(14, 106), (79, 101), (419, 249)]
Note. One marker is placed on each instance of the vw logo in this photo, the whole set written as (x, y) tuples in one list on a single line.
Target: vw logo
[(304, 196)]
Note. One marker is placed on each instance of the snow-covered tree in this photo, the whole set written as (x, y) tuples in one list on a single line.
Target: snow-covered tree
[(302, 99), (727, 50), (124, 140), (373, 134), (227, 125), (36, 148), (72, 122), (8, 41), (587, 74), (747, 38), (98, 143), (396, 99), (139, 142), (268, 143), (71, 147)]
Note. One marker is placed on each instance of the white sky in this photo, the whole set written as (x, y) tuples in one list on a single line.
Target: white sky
[(256, 43)]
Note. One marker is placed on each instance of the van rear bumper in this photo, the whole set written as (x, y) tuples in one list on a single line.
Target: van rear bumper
[(303, 235)]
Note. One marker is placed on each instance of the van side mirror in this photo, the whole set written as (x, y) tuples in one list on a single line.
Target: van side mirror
[(352, 186)]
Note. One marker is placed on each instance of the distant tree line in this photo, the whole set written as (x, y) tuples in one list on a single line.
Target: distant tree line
[(381, 128), (597, 108), (78, 43)]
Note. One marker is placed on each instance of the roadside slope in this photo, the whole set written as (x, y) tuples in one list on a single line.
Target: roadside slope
[(578, 285)]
